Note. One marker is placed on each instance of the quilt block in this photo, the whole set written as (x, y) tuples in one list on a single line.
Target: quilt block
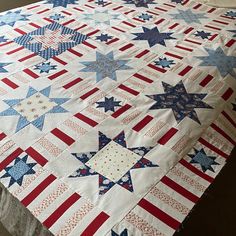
[(115, 116)]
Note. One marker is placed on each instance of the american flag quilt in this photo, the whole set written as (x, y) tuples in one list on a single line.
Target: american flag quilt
[(115, 115)]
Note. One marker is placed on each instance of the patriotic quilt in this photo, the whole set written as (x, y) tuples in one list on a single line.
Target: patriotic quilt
[(115, 115)]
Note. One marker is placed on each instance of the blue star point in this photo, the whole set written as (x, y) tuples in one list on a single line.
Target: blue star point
[(61, 3), (45, 67), (10, 18), (2, 65), (109, 104)]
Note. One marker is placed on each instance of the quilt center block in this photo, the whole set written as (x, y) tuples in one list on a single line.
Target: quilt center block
[(113, 161)]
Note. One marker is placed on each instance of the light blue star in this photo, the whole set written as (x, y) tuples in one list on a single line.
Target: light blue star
[(203, 160), (225, 64), (17, 171), (231, 14), (109, 104), (153, 36), (61, 3), (181, 102), (2, 70), (145, 16), (10, 18), (45, 67), (57, 17), (105, 66), (164, 62), (189, 17), (38, 122)]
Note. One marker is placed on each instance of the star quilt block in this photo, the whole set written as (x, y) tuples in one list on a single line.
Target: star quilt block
[(115, 116)]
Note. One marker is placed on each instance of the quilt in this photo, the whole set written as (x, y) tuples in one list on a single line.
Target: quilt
[(115, 115)]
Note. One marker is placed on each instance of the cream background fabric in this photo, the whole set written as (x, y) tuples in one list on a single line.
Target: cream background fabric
[(219, 3)]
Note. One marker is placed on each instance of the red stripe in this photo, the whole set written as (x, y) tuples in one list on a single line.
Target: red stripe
[(157, 68), (93, 32), (34, 25), (89, 6), (95, 224), (10, 158), (159, 21), (173, 55), (227, 94), (197, 6), (221, 22), (81, 27), (61, 210), (206, 80), (127, 12), (20, 31), (191, 41), (185, 71), (3, 44), (129, 90), (86, 119), (211, 10), (188, 30), (213, 148), (158, 8), (173, 26), (230, 43), (112, 41), (2, 136), (213, 37), (54, 76), (167, 136), (143, 123), (211, 27), (15, 50), (59, 60), (143, 78), (121, 110), (229, 118), (36, 156), (222, 132), (68, 22), (89, 45), (33, 7), (196, 171), (31, 73), (138, 20), (10, 83), (118, 29), (116, 8), (27, 57), (72, 83), (78, 9), (89, 93), (184, 48), (179, 189), (62, 136), (34, 193), (67, 13), (127, 23), (142, 53), (40, 12), (158, 213), (126, 47), (78, 54), (154, 13)]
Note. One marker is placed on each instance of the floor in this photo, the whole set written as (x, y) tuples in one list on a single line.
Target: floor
[(215, 213)]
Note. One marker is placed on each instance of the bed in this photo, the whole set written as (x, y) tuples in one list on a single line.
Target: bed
[(115, 116)]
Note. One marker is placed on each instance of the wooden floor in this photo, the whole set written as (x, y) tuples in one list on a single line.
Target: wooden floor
[(215, 214)]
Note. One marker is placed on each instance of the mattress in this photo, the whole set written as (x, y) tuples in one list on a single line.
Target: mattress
[(115, 116)]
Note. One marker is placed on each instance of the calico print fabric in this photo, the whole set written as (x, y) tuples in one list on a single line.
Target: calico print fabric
[(115, 116)]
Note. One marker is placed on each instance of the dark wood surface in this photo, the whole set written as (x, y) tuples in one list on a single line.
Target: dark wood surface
[(215, 213)]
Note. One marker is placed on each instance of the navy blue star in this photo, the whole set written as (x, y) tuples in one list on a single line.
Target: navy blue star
[(100, 2), (62, 3), (181, 102), (234, 106), (145, 16), (231, 14), (140, 3), (109, 104), (19, 170), (123, 233), (203, 34), (103, 37), (203, 160), (177, 1), (153, 36), (3, 39), (234, 32)]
